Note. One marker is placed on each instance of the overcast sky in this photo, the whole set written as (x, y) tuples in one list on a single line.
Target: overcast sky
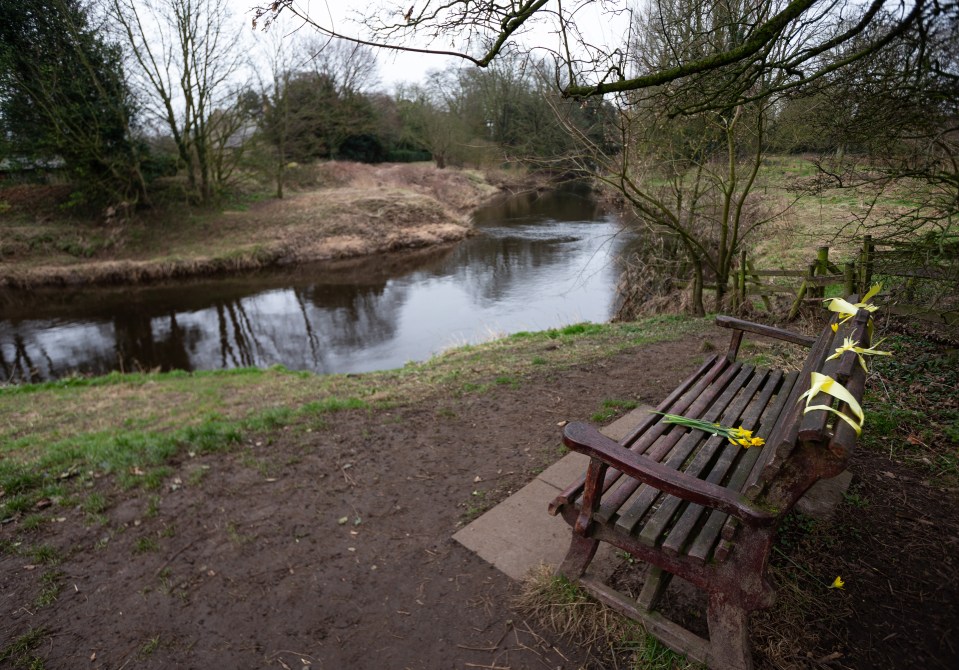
[(396, 66), (393, 66)]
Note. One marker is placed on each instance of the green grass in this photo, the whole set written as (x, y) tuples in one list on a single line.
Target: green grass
[(18, 651), (911, 414), (130, 426), (50, 585), (611, 408)]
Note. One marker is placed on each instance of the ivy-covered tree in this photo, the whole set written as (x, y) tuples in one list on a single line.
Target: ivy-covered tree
[(63, 96)]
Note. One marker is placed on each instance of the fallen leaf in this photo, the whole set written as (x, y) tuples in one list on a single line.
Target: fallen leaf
[(342, 520)]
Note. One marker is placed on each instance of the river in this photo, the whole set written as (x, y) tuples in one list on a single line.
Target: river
[(538, 262)]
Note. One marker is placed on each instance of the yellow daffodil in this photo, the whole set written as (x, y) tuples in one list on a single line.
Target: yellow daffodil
[(837, 583), (742, 437), (821, 383), (850, 345)]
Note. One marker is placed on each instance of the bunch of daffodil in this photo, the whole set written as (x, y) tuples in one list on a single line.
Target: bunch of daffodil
[(740, 436)]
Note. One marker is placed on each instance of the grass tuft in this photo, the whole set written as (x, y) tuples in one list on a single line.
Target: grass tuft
[(560, 606)]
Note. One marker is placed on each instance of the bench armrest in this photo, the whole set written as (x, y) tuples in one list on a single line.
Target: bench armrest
[(738, 326), (587, 440), (766, 331)]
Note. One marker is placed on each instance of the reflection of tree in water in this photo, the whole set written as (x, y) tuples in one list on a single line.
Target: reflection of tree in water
[(520, 258), (19, 365), (320, 322), (351, 317), (139, 347), (568, 205)]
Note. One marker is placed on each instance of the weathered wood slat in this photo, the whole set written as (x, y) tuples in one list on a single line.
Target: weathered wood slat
[(701, 466), (683, 529), (778, 273), (711, 366), (685, 403), (690, 440)]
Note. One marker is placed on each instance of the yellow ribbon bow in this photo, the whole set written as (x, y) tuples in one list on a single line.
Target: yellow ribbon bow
[(825, 384), (847, 310), (850, 345)]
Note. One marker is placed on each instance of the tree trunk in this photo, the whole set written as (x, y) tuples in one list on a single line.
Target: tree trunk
[(698, 308)]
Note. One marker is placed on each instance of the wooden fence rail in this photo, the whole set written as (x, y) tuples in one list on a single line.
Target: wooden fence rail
[(854, 276)]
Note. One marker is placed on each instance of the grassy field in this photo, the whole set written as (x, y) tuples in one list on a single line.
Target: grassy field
[(120, 424), (812, 214)]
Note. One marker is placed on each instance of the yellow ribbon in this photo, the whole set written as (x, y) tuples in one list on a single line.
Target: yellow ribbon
[(849, 345), (847, 310), (825, 384)]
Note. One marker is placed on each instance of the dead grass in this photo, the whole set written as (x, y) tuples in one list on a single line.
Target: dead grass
[(612, 639), (334, 210)]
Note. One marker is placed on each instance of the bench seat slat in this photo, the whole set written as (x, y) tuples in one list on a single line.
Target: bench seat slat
[(730, 462), (706, 538), (722, 391), (707, 371), (703, 466)]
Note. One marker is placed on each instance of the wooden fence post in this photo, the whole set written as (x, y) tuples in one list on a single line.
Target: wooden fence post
[(742, 277), (849, 279), (822, 268), (803, 289)]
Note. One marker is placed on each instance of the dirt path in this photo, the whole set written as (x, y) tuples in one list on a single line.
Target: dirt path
[(330, 546)]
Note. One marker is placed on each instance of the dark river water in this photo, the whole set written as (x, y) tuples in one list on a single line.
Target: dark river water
[(538, 262)]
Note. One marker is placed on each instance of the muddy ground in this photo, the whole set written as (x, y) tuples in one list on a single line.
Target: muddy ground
[(332, 548)]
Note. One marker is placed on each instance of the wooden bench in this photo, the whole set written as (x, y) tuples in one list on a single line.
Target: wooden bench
[(695, 505)]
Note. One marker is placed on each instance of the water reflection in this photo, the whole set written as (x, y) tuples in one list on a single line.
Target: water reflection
[(539, 262)]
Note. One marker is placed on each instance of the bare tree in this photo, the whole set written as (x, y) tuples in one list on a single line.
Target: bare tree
[(187, 62), (478, 31), (691, 176)]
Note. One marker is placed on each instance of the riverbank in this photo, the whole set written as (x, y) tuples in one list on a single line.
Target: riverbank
[(333, 211), (274, 518)]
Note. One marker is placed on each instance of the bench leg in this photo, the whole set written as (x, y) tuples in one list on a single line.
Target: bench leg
[(654, 586), (580, 554), (728, 635)]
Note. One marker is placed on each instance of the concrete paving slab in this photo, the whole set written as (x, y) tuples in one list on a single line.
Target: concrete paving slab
[(618, 429), (822, 499), (519, 535), (564, 472)]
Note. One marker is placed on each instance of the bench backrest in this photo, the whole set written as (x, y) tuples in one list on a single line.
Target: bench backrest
[(807, 446)]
